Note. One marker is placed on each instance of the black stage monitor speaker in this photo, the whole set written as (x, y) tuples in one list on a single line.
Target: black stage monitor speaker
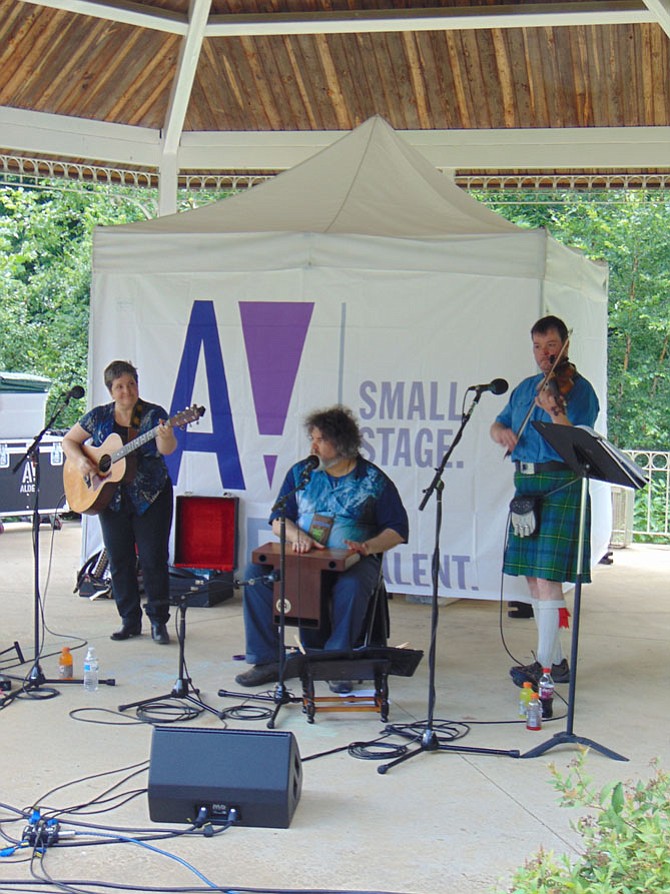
[(257, 773)]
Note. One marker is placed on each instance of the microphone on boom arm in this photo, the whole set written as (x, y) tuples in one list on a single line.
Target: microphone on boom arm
[(74, 393), (311, 463), (497, 386)]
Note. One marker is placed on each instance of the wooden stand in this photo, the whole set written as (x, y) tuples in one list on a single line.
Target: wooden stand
[(363, 669)]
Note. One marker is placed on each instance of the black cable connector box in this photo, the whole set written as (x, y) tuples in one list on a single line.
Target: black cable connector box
[(5, 683)]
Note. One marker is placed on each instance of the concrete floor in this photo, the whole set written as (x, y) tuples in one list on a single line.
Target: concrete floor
[(442, 821)]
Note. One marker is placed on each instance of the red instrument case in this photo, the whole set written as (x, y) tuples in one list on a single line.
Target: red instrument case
[(205, 549)]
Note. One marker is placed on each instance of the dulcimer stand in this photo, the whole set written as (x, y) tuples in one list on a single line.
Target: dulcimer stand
[(589, 455)]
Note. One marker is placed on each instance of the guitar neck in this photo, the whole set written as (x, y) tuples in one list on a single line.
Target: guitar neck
[(137, 442)]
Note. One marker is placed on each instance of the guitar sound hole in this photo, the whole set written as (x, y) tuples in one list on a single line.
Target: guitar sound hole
[(104, 464)]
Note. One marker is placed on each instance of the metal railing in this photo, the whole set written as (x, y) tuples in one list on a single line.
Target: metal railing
[(643, 514)]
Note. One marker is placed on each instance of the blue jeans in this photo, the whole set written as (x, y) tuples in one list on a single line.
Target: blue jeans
[(122, 531), (349, 600)]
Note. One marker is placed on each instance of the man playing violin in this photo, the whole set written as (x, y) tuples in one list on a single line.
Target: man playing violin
[(544, 546)]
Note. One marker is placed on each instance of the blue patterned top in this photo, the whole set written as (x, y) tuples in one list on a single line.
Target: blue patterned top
[(581, 409), (152, 472), (361, 504)]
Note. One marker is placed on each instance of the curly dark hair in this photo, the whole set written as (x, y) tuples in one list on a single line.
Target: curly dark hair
[(118, 368), (338, 426)]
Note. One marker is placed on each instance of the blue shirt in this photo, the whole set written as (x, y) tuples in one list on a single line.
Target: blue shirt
[(361, 504), (581, 409), (152, 472)]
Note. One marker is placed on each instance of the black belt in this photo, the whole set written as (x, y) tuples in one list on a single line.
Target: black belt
[(534, 468)]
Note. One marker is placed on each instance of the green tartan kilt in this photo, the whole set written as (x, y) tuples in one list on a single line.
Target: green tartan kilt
[(552, 552)]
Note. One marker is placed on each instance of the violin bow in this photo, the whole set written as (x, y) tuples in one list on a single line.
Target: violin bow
[(539, 388)]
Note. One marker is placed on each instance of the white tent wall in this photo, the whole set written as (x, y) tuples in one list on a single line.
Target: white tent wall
[(395, 328)]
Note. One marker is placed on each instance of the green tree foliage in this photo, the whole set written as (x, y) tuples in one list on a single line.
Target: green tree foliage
[(45, 275), (45, 279), (629, 230)]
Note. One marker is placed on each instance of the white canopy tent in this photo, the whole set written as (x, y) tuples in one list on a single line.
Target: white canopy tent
[(361, 276)]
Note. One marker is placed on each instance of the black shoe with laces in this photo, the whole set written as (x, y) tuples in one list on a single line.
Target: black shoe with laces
[(531, 673)]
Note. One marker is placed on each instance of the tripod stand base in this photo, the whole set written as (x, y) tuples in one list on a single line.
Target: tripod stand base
[(278, 698), (566, 738), (430, 741), (181, 690)]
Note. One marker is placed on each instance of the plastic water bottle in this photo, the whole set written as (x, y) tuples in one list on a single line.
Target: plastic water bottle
[(65, 664), (534, 716), (524, 697), (91, 667), (545, 689)]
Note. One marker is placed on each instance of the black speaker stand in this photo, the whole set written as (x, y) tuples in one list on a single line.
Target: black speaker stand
[(183, 688)]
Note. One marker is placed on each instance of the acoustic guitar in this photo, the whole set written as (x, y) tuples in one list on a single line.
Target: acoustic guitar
[(90, 494)]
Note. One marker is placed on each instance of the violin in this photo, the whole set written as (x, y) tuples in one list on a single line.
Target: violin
[(559, 380), (559, 383)]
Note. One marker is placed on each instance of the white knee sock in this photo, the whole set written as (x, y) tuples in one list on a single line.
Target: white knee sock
[(549, 649)]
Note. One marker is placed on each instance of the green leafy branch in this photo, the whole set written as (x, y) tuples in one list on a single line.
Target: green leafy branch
[(626, 839)]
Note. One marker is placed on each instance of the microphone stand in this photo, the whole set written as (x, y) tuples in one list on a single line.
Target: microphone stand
[(429, 740), (34, 682), (281, 695), (183, 687)]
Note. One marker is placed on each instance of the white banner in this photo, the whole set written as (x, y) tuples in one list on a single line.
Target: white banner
[(395, 329)]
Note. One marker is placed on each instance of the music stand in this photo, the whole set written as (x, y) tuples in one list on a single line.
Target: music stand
[(589, 455), (182, 688)]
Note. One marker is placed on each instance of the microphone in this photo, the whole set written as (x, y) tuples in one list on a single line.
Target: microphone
[(497, 386), (311, 463), (75, 392)]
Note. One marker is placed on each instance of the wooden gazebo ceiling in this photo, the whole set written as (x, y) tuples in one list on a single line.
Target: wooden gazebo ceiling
[(239, 85)]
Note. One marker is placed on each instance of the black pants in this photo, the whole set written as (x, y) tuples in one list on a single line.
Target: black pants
[(124, 530)]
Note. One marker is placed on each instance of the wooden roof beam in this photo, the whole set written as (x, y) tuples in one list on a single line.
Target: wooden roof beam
[(661, 9), (597, 148), (125, 11), (468, 18), (526, 15), (187, 64)]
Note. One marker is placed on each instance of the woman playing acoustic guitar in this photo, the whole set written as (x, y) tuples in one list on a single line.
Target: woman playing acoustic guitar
[(137, 514)]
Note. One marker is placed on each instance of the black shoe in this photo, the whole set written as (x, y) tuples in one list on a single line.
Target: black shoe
[(269, 673), (341, 687), (258, 675), (526, 673), (560, 673), (127, 631), (531, 673), (520, 610), (159, 634)]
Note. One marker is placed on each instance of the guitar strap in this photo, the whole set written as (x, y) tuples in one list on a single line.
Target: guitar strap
[(133, 431), (136, 417)]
